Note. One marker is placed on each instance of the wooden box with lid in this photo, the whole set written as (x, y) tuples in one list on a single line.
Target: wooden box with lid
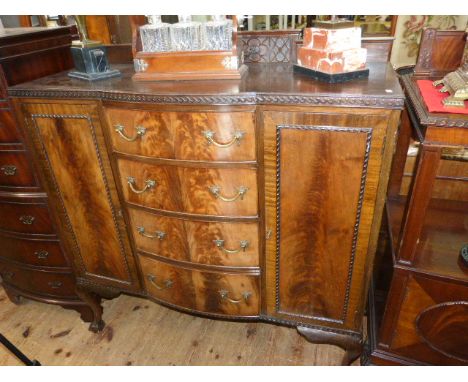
[(256, 199)]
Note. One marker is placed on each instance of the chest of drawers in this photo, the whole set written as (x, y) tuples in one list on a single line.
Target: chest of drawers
[(33, 263), (259, 199)]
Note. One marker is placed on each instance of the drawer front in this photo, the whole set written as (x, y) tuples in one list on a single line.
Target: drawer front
[(38, 282), (25, 218), (224, 192), (32, 252), (16, 170), (8, 130), (213, 243), (211, 136), (210, 292)]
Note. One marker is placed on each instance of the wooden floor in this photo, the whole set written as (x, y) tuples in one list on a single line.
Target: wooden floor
[(140, 332)]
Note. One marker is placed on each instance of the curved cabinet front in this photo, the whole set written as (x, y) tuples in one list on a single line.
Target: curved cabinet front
[(70, 148)]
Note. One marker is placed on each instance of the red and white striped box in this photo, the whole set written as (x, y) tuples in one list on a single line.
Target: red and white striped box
[(332, 40), (333, 62)]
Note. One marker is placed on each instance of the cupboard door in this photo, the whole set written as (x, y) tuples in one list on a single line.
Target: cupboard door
[(71, 152), (321, 176)]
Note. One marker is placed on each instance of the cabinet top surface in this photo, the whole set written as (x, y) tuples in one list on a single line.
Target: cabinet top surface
[(263, 84), (7, 34)]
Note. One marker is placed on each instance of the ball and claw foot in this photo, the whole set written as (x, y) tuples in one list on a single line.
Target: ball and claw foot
[(97, 326)]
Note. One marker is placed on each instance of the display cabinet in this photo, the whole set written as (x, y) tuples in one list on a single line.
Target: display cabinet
[(425, 319)]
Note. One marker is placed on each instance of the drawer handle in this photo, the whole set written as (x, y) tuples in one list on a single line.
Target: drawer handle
[(166, 283), (140, 131), (220, 244), (8, 170), (157, 234), (209, 135), (216, 191), (41, 254), (27, 219), (225, 296), (55, 284), (149, 183)]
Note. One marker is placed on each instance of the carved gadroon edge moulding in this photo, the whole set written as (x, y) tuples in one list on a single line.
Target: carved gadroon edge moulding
[(421, 110), (249, 99)]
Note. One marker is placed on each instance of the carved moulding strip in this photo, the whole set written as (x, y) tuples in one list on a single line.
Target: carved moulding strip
[(327, 100), (247, 99), (368, 132), (88, 118), (424, 117)]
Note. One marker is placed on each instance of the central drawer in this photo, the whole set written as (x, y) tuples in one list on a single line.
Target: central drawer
[(207, 191), (233, 244), (233, 294), (209, 136)]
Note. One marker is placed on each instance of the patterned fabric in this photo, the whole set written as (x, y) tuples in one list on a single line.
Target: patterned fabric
[(408, 35)]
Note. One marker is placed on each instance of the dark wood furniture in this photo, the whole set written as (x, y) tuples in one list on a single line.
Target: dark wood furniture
[(32, 259), (257, 199), (425, 320)]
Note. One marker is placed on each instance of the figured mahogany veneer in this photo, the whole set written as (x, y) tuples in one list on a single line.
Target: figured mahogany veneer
[(195, 241), (70, 138), (187, 189), (272, 215), (179, 135), (202, 291)]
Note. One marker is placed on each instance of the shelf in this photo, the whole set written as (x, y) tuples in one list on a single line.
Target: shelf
[(443, 234)]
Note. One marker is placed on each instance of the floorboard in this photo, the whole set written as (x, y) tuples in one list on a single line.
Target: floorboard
[(140, 332)]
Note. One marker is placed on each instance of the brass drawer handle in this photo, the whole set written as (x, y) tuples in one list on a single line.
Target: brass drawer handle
[(220, 244), (140, 131), (149, 183), (27, 219), (41, 254), (157, 234), (225, 296), (8, 170), (55, 284), (209, 135), (166, 283), (216, 191)]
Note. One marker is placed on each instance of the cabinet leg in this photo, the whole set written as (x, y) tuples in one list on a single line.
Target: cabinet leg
[(94, 303), (12, 295), (352, 345)]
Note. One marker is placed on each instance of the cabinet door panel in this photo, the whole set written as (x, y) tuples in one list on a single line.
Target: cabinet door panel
[(321, 183), (70, 147)]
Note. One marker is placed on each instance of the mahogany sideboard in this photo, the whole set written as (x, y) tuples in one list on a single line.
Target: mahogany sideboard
[(33, 263), (251, 199)]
